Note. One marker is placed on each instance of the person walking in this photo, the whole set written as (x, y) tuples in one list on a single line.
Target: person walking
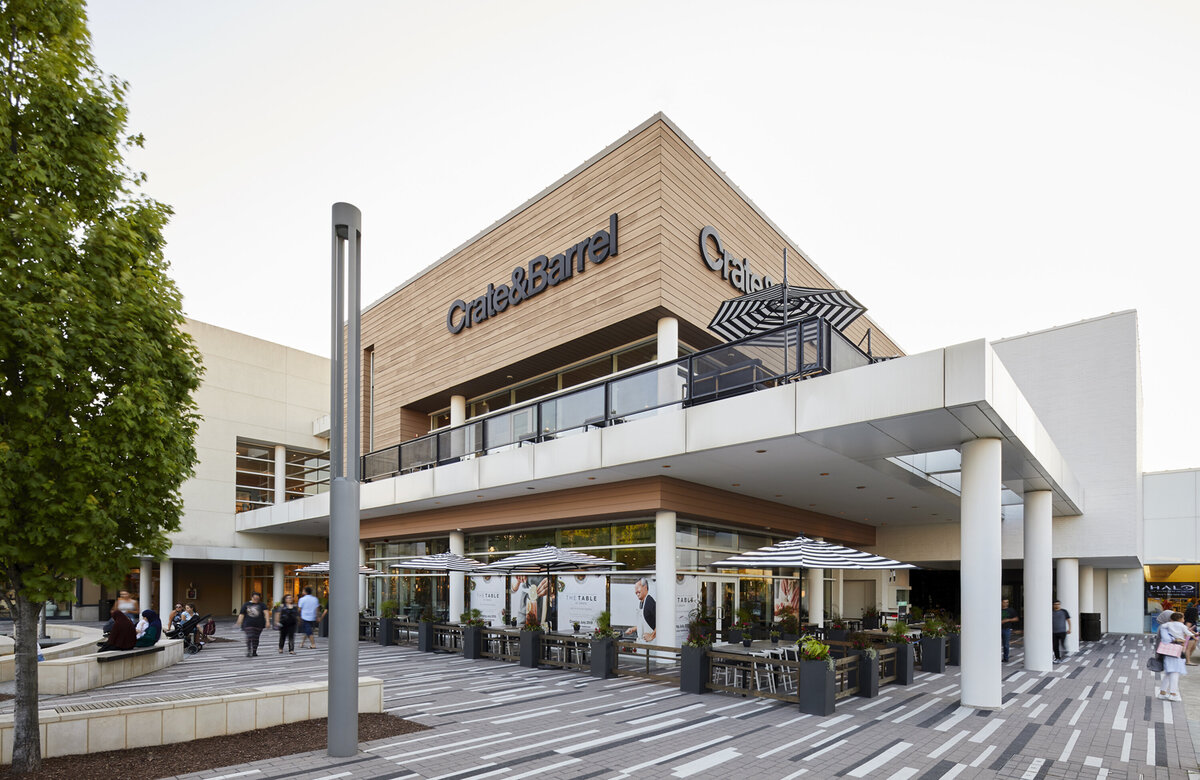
[(1008, 617), (287, 615), (1191, 616), (1173, 635), (1061, 626), (252, 619), (310, 616)]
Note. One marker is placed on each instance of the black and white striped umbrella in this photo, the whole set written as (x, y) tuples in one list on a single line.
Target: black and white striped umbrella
[(323, 568), (446, 561), (757, 312), (806, 553), (547, 559)]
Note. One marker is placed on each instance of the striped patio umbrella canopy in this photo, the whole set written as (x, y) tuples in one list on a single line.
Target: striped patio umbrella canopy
[(323, 568), (806, 553), (446, 561), (757, 312), (547, 559)]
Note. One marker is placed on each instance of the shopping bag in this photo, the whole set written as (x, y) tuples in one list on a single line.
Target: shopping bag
[(1171, 649), (1154, 663)]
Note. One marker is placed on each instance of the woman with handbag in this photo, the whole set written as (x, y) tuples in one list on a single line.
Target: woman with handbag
[(1172, 636)]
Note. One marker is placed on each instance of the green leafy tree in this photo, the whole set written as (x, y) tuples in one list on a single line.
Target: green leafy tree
[(96, 375)]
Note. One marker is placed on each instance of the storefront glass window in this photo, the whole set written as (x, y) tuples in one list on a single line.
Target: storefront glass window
[(634, 533), (255, 476), (585, 537)]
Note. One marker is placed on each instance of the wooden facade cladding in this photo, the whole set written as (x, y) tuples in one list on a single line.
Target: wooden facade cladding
[(664, 193), (633, 498)]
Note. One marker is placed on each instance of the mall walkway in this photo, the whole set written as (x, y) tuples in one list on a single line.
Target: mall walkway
[(1092, 717)]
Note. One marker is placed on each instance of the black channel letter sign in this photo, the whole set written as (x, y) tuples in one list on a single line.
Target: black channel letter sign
[(736, 272), (541, 273)]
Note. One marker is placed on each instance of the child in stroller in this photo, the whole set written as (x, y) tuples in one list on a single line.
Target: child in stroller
[(190, 633)]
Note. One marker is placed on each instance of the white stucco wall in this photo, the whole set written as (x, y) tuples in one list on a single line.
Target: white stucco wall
[(251, 389), (1172, 512), (1084, 381)]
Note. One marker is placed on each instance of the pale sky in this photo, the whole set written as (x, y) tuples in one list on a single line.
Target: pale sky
[(966, 169)]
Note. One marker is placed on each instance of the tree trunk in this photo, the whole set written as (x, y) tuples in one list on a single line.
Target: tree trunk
[(27, 743)]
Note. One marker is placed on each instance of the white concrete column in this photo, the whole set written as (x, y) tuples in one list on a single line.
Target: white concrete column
[(277, 583), (166, 588), (458, 583), (664, 574), (668, 339), (280, 473), (458, 409), (839, 577), (362, 581), (979, 577), (816, 596), (1068, 594), (146, 584), (1039, 581), (1100, 580), (1087, 589)]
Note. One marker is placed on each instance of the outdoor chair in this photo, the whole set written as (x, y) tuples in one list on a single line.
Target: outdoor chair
[(763, 671)]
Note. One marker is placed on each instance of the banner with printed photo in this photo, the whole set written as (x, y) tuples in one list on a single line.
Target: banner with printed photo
[(529, 594), (687, 598), (787, 594), (634, 607), (581, 599), (487, 596)]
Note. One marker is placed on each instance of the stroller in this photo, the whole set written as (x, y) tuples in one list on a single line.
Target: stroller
[(189, 632)]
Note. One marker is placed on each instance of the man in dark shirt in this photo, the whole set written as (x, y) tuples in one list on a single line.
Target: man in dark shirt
[(1191, 616), (252, 619), (1060, 621), (1008, 617)]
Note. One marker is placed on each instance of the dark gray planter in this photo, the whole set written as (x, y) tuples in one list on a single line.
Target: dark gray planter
[(954, 650), (837, 635), (324, 629), (531, 649), (425, 636), (385, 631), (933, 654), (603, 658), (870, 623), (472, 641), (733, 636), (868, 675), (905, 659), (694, 669), (816, 688)]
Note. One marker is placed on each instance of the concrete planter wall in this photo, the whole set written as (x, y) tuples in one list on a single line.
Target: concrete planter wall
[(385, 631), (905, 658), (531, 649), (472, 642), (933, 654), (868, 675), (603, 658), (817, 688), (425, 636), (694, 669), (954, 650)]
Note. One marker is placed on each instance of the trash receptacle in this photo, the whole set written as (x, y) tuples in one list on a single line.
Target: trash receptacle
[(1089, 626)]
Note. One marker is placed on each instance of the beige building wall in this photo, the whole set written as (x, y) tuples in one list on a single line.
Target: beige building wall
[(251, 389), (664, 192)]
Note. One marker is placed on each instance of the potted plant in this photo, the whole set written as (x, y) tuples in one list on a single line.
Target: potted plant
[(531, 642), (789, 623), (425, 632), (870, 618), (933, 646), (473, 623), (694, 665), (504, 619), (899, 639), (742, 629), (868, 665), (775, 634), (575, 626), (838, 631), (603, 647), (817, 683), (953, 644), (387, 615)]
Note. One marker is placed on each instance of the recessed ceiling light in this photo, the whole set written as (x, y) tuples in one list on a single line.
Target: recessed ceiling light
[(861, 487), (914, 507), (933, 514), (736, 484), (666, 467), (778, 495), (883, 522), (478, 496), (591, 478), (812, 504), (889, 498), (529, 488), (760, 451), (824, 473)]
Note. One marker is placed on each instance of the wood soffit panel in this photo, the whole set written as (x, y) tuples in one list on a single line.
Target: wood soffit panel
[(689, 500)]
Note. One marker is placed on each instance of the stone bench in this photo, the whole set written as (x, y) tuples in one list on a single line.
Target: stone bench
[(182, 717), (95, 670), (81, 640)]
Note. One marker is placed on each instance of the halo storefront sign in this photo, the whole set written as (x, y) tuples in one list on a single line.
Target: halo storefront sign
[(736, 272), (538, 275)]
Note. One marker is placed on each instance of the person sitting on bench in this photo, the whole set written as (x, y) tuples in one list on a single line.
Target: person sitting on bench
[(122, 635), (153, 629)]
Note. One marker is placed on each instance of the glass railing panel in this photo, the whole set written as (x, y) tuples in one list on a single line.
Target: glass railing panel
[(418, 453), (574, 410), (381, 463), (459, 442), (845, 355), (647, 390)]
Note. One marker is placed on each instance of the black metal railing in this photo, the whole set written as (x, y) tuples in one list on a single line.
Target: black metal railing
[(808, 347)]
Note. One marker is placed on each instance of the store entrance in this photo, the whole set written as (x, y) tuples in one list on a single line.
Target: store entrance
[(719, 598)]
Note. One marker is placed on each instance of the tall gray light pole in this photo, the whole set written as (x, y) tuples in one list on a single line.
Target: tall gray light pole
[(344, 453)]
